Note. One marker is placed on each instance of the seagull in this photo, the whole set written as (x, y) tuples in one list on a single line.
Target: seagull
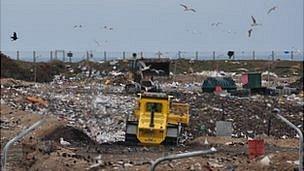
[(157, 71), (271, 9), (98, 157), (249, 32), (97, 43), (63, 142), (254, 22), (206, 141), (111, 28), (186, 8), (143, 66), (80, 26), (14, 37), (216, 24)]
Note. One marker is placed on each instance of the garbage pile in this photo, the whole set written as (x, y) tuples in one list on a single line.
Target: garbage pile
[(80, 104), (100, 110), (247, 115)]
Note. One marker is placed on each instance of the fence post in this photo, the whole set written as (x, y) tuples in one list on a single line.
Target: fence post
[(179, 54), (123, 55), (291, 55), (213, 54), (159, 54), (272, 55), (56, 54), (63, 56), (196, 55), (141, 54), (105, 56), (87, 55), (253, 55), (51, 55), (35, 68), (17, 55)]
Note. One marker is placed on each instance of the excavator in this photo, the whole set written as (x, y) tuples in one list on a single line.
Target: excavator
[(156, 120)]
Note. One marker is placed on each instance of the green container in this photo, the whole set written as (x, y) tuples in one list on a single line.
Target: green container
[(254, 80), (226, 83)]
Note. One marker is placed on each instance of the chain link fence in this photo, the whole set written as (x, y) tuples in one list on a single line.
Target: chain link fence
[(76, 56)]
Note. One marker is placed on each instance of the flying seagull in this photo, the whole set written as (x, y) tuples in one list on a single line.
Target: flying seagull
[(249, 32), (80, 26), (97, 43), (254, 23), (186, 8), (143, 66), (158, 71), (14, 37), (216, 24), (271, 9)]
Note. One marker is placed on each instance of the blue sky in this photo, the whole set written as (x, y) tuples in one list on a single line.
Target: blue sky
[(142, 25)]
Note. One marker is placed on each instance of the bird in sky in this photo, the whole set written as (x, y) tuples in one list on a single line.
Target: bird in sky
[(14, 36), (254, 23), (271, 9), (108, 28), (97, 43), (186, 8), (216, 24), (249, 32), (80, 26), (63, 142)]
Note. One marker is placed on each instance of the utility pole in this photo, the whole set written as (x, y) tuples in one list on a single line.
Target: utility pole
[(18, 55)]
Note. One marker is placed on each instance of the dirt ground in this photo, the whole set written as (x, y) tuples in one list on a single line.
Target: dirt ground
[(41, 150)]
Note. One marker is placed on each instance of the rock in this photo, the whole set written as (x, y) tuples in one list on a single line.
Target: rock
[(192, 167), (265, 161)]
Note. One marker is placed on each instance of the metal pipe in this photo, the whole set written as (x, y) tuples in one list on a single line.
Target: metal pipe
[(179, 156), (19, 136), (301, 156)]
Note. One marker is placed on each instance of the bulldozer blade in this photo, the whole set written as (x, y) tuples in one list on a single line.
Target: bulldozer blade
[(131, 130), (173, 134)]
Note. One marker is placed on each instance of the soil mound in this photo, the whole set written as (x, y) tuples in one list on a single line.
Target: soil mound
[(73, 135)]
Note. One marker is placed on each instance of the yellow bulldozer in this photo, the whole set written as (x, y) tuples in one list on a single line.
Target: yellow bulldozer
[(157, 120)]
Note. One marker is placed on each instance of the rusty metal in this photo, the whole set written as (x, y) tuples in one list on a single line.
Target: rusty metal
[(19, 136), (180, 156)]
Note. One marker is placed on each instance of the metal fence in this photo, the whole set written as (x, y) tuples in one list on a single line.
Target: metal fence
[(76, 56)]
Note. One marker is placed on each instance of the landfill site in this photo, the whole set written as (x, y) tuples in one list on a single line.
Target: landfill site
[(152, 114)]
